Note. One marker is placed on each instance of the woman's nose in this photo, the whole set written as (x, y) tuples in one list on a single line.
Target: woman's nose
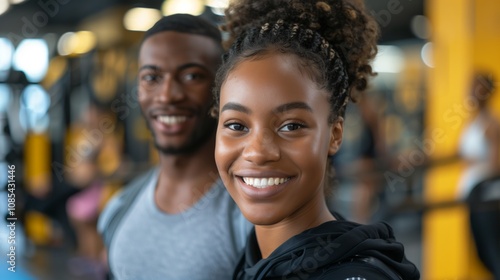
[(261, 147)]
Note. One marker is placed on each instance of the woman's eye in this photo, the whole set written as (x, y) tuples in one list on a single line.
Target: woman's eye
[(291, 127), (236, 126)]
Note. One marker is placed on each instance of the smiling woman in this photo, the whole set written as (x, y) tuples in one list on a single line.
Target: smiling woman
[(283, 138), (280, 98)]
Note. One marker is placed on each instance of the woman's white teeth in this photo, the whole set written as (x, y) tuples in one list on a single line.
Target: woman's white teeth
[(172, 119), (263, 182)]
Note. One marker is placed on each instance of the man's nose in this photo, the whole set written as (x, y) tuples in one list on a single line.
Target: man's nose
[(170, 91)]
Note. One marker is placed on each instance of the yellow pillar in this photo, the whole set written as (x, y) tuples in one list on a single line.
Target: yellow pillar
[(465, 37), (38, 178), (37, 162)]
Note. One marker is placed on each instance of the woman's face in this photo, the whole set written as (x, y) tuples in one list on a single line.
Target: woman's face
[(273, 139)]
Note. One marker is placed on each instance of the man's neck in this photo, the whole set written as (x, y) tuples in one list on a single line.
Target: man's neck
[(184, 179)]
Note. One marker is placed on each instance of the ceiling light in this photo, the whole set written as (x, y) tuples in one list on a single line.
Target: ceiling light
[(4, 6), (14, 2), (426, 54), (193, 7), (218, 6), (389, 59), (6, 49), (72, 43), (141, 19), (32, 57)]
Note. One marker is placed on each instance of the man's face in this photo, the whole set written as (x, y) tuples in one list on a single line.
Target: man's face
[(176, 73)]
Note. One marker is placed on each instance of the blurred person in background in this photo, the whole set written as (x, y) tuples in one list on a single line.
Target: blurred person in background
[(480, 149), (480, 140), (356, 163), (96, 137), (176, 221)]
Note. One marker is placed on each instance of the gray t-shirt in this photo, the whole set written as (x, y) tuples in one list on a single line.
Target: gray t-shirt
[(203, 242)]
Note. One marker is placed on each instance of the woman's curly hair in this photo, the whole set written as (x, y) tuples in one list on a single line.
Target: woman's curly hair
[(337, 36)]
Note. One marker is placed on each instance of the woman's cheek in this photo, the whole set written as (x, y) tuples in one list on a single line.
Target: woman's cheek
[(223, 152)]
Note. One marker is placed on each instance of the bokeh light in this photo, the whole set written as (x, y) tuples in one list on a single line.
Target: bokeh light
[(32, 57)]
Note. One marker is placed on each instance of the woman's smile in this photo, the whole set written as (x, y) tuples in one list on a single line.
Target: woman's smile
[(262, 183)]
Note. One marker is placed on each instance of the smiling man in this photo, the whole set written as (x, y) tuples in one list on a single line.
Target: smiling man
[(177, 221)]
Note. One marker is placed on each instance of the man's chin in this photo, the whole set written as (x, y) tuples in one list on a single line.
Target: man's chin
[(191, 144), (176, 150)]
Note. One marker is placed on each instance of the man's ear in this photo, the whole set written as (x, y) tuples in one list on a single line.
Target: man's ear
[(337, 130)]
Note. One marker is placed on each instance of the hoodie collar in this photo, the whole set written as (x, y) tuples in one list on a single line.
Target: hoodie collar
[(323, 246)]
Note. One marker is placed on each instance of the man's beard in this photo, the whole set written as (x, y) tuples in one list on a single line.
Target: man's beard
[(196, 140)]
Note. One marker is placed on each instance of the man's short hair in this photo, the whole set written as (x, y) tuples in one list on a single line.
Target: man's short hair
[(186, 23)]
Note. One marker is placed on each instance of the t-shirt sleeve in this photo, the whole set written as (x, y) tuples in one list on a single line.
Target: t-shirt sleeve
[(117, 202), (109, 211)]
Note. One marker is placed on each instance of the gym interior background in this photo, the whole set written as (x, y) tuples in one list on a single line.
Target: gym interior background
[(57, 57)]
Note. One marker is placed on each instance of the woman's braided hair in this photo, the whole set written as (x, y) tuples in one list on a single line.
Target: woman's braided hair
[(335, 39)]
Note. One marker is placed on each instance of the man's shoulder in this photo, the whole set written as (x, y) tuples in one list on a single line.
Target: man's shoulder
[(138, 182), (123, 199)]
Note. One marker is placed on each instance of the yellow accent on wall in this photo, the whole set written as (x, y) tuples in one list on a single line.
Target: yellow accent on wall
[(37, 159), (465, 37), (38, 228)]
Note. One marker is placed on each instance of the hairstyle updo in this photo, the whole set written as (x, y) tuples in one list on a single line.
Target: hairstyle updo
[(336, 39)]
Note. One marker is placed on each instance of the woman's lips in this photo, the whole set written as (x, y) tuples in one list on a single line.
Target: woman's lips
[(262, 188)]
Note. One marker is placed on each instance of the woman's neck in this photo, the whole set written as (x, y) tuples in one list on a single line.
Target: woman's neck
[(270, 237)]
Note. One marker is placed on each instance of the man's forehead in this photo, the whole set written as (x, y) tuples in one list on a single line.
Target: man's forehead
[(185, 23), (174, 39), (171, 50)]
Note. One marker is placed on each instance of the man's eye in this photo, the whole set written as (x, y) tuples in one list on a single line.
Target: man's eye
[(150, 78), (291, 127), (236, 127), (193, 76)]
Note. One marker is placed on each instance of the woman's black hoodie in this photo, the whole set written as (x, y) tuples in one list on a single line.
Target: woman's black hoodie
[(334, 250)]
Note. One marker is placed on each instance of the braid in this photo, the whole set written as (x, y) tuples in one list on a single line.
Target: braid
[(337, 36)]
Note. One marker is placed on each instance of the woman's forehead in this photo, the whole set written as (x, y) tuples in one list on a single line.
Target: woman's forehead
[(270, 69), (271, 79)]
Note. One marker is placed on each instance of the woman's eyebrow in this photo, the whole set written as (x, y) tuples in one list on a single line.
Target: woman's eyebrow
[(291, 106), (236, 107), (279, 110)]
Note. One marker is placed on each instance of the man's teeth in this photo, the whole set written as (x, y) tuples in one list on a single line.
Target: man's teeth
[(172, 119), (264, 182)]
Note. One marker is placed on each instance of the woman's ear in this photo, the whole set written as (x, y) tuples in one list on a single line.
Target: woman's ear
[(336, 136)]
